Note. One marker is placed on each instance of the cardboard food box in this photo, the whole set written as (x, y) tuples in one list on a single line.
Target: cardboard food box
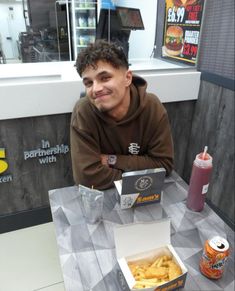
[(140, 187), (144, 242)]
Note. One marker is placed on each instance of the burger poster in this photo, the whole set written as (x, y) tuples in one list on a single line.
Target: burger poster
[(181, 31)]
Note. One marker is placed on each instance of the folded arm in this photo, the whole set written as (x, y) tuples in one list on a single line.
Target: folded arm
[(159, 152), (90, 164)]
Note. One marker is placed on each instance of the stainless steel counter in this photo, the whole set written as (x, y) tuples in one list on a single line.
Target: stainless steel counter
[(87, 252)]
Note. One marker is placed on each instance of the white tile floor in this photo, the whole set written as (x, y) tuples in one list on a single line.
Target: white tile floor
[(29, 260)]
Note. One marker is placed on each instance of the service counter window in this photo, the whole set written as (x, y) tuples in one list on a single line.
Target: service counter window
[(56, 30)]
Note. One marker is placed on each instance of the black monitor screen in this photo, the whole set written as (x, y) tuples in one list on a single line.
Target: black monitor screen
[(130, 18)]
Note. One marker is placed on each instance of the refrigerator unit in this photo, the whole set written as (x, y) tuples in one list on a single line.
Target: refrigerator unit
[(81, 22), (84, 19)]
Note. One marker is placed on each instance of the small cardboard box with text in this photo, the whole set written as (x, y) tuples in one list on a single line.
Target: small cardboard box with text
[(140, 187), (142, 241)]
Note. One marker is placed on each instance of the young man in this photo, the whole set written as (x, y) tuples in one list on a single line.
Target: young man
[(118, 126)]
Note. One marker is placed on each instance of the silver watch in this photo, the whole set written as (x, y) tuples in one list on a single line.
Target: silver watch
[(112, 159)]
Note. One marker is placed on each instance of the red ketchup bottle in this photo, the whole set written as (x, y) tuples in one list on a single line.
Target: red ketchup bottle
[(199, 181)]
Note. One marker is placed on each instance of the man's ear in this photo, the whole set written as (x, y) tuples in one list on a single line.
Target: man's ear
[(128, 78)]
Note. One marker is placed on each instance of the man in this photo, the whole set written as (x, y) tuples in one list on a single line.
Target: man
[(117, 127)]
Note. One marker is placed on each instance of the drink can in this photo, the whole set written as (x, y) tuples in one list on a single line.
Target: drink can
[(214, 257)]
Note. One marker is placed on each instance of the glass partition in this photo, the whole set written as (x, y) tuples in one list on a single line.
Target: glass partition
[(56, 30)]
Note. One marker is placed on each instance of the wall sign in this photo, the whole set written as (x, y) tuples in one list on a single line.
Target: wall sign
[(46, 154), (4, 167), (182, 29)]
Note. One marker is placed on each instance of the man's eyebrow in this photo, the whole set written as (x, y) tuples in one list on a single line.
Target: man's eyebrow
[(98, 75), (103, 73)]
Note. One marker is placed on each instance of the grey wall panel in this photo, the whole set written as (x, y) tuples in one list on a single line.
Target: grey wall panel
[(213, 125), (216, 52), (30, 179), (180, 115)]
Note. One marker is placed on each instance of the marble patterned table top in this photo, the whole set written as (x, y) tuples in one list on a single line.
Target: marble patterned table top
[(87, 252)]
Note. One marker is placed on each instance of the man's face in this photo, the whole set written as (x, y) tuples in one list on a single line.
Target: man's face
[(107, 87)]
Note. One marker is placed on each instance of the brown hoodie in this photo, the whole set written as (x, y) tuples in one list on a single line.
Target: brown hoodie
[(141, 140)]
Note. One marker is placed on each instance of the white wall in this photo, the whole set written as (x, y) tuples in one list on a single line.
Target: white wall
[(142, 41)]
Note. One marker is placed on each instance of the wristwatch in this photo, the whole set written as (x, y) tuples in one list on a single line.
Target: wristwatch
[(112, 159)]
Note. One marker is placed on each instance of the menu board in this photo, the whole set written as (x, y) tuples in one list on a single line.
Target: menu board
[(182, 29)]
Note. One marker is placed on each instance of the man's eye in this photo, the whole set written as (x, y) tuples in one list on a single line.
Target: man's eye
[(87, 84), (105, 78)]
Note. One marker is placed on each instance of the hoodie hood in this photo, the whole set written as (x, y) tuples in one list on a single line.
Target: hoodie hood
[(138, 92)]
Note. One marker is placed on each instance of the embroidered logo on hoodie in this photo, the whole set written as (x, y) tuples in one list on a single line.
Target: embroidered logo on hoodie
[(134, 148)]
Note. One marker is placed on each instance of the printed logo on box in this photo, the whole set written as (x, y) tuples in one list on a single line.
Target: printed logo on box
[(148, 198), (143, 183)]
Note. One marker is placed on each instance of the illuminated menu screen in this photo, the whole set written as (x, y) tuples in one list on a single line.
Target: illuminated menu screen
[(182, 30)]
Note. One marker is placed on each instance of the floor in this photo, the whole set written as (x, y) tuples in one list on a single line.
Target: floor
[(29, 260)]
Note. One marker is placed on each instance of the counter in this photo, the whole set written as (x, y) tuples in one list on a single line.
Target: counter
[(37, 89)]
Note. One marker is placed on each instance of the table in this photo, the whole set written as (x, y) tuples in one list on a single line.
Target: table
[(87, 252)]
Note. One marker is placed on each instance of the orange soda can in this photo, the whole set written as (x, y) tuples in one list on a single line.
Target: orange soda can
[(214, 257)]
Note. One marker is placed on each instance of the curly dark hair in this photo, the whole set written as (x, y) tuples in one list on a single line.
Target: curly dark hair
[(101, 50)]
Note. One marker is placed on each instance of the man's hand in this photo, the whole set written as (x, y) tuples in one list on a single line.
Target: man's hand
[(104, 160)]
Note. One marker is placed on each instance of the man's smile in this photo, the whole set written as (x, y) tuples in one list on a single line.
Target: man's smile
[(102, 95)]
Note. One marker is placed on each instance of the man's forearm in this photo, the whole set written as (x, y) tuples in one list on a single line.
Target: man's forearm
[(135, 162)]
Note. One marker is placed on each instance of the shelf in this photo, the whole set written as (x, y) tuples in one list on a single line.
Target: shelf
[(85, 28), (84, 8)]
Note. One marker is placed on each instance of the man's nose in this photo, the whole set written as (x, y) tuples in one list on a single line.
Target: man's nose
[(97, 86)]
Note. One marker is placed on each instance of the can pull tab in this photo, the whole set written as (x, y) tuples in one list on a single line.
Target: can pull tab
[(220, 246)]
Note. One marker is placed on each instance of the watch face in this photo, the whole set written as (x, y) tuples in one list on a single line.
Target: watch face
[(112, 159)]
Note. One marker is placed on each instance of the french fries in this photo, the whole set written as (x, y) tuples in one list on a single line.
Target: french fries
[(154, 273)]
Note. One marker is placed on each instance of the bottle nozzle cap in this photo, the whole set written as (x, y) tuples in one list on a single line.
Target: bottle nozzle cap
[(203, 160)]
